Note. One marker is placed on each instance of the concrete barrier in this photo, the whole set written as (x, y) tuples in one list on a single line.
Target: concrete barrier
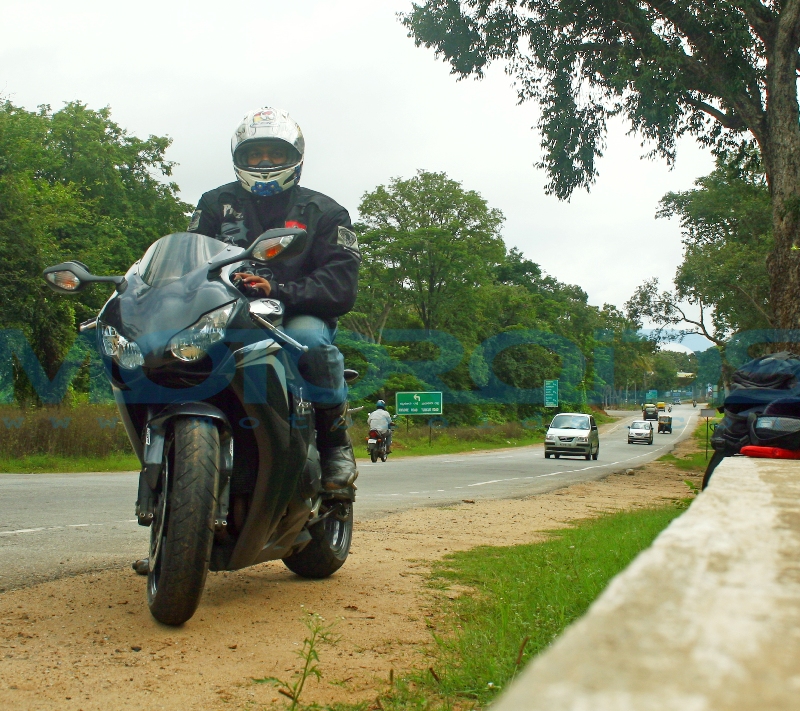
[(707, 618)]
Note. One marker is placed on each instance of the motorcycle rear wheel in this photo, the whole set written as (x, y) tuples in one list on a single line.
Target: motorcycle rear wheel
[(373, 455), (182, 532), (329, 546)]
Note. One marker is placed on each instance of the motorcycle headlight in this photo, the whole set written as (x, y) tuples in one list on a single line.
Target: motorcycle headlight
[(193, 343), (127, 354)]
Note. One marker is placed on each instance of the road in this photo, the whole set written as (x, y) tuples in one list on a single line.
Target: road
[(52, 525)]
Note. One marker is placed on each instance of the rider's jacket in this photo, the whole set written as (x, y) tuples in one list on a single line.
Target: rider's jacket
[(322, 281), (379, 420)]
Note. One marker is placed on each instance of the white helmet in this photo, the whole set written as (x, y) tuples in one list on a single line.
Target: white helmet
[(267, 174)]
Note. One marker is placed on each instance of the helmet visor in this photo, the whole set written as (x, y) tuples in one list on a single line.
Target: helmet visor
[(266, 154)]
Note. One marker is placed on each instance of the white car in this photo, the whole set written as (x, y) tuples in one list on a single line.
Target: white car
[(640, 431), (573, 434)]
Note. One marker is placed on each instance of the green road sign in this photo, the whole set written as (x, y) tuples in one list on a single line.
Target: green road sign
[(652, 395), (418, 403), (551, 393)]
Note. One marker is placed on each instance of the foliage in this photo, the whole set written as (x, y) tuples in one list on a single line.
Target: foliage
[(440, 296), (723, 275), (670, 68), (723, 71), (73, 184)]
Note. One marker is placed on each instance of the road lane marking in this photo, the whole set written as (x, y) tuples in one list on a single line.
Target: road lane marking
[(23, 530)]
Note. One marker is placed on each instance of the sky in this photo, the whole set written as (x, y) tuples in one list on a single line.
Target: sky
[(372, 106)]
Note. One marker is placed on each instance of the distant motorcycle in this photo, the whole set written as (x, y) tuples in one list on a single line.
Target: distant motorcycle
[(376, 445)]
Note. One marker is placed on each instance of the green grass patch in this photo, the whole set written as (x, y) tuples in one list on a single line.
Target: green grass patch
[(696, 461), (518, 600), (39, 463)]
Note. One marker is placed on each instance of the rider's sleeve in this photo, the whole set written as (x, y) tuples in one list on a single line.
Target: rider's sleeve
[(330, 289), (204, 220)]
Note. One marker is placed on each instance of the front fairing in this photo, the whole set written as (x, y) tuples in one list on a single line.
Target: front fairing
[(152, 313)]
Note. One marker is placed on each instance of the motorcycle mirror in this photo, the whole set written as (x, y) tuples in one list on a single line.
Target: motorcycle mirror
[(280, 244), (270, 246), (72, 277)]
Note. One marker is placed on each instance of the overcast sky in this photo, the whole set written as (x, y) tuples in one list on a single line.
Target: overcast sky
[(372, 106)]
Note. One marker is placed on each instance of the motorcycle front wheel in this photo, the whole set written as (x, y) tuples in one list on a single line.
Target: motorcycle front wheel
[(330, 543), (182, 532)]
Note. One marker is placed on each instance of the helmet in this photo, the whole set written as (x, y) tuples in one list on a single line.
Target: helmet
[(279, 166), (381, 405)]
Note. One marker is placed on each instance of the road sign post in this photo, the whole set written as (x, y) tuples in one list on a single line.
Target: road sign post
[(551, 393), (707, 413), (419, 403)]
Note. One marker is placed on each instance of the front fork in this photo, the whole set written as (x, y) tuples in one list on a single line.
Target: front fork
[(155, 436)]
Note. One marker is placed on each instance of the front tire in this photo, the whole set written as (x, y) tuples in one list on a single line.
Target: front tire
[(329, 546), (596, 453), (182, 532)]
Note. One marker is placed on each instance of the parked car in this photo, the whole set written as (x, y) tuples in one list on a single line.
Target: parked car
[(572, 434), (649, 412), (640, 431)]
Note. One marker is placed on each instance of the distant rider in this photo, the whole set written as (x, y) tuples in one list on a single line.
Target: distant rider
[(380, 420)]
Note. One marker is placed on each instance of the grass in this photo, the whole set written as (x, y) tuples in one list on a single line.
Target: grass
[(450, 440), (39, 463), (698, 460), (518, 600), (92, 438)]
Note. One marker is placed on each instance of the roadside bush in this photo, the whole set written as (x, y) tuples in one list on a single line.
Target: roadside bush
[(86, 431)]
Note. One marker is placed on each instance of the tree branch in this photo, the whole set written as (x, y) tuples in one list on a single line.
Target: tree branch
[(761, 19), (756, 305), (730, 121)]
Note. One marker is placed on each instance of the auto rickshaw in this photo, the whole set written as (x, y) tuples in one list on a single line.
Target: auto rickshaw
[(665, 424)]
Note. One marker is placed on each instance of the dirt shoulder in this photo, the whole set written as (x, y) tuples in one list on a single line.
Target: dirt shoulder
[(89, 642)]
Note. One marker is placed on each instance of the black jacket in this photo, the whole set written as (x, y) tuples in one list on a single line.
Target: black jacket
[(323, 280)]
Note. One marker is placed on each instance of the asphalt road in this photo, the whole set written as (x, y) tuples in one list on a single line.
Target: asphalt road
[(52, 525)]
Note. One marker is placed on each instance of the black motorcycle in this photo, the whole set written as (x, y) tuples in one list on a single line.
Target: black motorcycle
[(376, 446), (208, 389)]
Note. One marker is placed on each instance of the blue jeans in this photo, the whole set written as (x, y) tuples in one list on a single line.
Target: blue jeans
[(322, 366)]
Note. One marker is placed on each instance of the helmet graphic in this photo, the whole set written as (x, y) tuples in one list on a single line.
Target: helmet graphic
[(381, 405), (267, 150)]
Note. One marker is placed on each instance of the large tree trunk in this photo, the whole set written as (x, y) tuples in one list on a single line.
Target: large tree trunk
[(780, 145)]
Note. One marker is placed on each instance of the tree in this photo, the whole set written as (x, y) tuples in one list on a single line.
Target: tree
[(435, 241), (723, 71), (73, 185), (723, 275)]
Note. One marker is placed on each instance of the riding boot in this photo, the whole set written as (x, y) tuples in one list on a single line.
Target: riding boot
[(335, 448)]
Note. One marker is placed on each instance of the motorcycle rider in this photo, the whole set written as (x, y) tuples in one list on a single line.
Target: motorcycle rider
[(316, 287), (380, 420)]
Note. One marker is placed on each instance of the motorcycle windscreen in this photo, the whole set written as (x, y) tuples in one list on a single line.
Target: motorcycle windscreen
[(175, 255)]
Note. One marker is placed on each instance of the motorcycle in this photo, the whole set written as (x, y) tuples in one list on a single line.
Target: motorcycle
[(207, 387), (376, 446)]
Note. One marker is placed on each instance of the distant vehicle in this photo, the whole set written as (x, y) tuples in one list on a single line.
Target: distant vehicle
[(649, 412), (677, 401), (661, 406), (572, 434), (640, 431)]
